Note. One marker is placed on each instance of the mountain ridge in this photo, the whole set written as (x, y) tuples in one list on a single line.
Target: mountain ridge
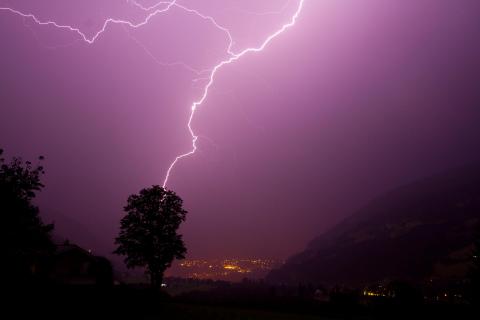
[(406, 233)]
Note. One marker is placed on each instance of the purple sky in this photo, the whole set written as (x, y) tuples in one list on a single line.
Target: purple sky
[(357, 98)]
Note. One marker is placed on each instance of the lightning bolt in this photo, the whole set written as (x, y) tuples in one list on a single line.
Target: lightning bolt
[(234, 57), (160, 8)]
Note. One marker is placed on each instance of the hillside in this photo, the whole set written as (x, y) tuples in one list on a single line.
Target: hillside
[(417, 231)]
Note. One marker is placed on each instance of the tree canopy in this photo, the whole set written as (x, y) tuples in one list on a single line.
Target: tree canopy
[(26, 238), (149, 231)]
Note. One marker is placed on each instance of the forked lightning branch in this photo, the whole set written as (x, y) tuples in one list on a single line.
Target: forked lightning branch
[(164, 7)]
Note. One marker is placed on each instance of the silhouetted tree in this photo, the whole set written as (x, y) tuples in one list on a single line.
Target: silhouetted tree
[(148, 233), (25, 237)]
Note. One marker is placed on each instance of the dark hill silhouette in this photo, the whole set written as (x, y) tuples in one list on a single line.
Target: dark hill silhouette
[(421, 230)]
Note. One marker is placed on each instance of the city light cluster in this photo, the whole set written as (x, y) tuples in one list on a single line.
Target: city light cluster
[(226, 269)]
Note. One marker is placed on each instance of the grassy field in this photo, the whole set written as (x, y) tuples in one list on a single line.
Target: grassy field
[(184, 311), (125, 303)]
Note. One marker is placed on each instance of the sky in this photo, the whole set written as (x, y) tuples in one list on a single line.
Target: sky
[(357, 98)]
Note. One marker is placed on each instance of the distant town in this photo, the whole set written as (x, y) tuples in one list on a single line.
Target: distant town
[(231, 269)]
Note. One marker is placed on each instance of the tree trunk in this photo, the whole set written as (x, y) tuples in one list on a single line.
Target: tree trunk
[(156, 279), (159, 281), (153, 280)]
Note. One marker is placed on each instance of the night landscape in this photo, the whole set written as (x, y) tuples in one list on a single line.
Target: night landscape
[(240, 159)]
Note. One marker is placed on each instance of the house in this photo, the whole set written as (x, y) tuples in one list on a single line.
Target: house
[(73, 265)]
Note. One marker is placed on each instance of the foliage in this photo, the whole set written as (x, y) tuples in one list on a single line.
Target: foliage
[(148, 232), (25, 237)]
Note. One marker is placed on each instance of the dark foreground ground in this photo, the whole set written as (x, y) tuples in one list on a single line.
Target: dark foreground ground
[(127, 303)]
